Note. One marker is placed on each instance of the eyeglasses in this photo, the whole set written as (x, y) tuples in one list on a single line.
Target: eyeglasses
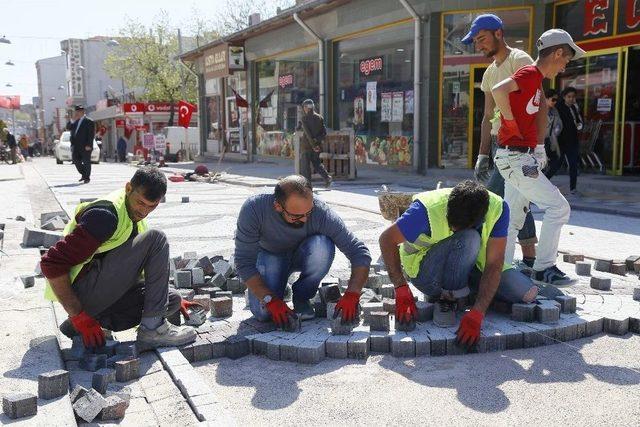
[(295, 217)]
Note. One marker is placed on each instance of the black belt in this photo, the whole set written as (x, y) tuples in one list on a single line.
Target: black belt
[(517, 148)]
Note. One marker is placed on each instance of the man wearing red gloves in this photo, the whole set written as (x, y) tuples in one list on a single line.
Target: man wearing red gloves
[(449, 241), (95, 272), (291, 231), (520, 159)]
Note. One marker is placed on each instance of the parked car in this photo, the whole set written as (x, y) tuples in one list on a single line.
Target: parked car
[(62, 149)]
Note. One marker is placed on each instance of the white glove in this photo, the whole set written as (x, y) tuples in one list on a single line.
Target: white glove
[(540, 154), (481, 171)]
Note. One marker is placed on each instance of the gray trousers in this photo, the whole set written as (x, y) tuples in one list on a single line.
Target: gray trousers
[(309, 158), (111, 290)]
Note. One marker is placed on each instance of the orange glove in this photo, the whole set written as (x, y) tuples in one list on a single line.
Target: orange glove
[(508, 130), (405, 304), (469, 330), (279, 311), (89, 329), (348, 305)]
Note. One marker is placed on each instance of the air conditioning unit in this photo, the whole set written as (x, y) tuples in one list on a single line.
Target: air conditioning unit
[(254, 19)]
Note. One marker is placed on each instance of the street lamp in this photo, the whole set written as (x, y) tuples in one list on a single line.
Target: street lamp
[(61, 87), (113, 42), (5, 40), (53, 98), (9, 63), (9, 85)]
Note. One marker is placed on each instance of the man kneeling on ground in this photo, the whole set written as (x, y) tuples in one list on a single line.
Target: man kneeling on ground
[(292, 231), (110, 271), (446, 241)]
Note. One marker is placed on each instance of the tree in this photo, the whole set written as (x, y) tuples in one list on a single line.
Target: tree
[(234, 16), (146, 59)]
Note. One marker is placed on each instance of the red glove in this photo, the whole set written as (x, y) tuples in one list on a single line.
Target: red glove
[(508, 129), (186, 305), (405, 304), (89, 328), (348, 305), (469, 330), (279, 311)]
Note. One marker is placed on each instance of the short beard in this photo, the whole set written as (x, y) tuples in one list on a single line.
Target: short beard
[(491, 53), (295, 224)]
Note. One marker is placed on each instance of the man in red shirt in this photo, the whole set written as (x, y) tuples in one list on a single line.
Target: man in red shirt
[(520, 159)]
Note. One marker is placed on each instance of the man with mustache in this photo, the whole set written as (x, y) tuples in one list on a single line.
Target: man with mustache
[(292, 231)]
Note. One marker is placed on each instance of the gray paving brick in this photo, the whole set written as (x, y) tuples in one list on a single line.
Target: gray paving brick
[(218, 281), (53, 384), (406, 326), (329, 293), (631, 260), (583, 268), (182, 278), (221, 307), (124, 392), (438, 341), (89, 406), (402, 345), (379, 321), (19, 405), (634, 325), (636, 293), (93, 362), (77, 392), (358, 345), (602, 265), (205, 264), (260, 343), (380, 342), (491, 339), (294, 325), (102, 378), (523, 312), (389, 305), (289, 349), (619, 268), (197, 276), (547, 312), (594, 325), (368, 308), (387, 291), (572, 258), (273, 348), (235, 285), (336, 346), (202, 350), (568, 303), (235, 347), (187, 294), (185, 199), (338, 327), (617, 325), (204, 301), (127, 370), (311, 352), (114, 409), (600, 283), (425, 311), (128, 348), (223, 268)]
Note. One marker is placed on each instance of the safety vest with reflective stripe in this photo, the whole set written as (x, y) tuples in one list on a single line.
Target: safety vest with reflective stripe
[(435, 202), (117, 199)]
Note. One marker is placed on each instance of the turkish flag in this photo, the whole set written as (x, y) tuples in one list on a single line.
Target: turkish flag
[(185, 110), (240, 101)]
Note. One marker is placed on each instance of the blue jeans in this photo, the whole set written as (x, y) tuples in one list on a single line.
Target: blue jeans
[(513, 284), (312, 258)]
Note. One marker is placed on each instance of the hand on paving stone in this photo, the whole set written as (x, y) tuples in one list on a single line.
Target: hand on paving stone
[(347, 305), (279, 311), (468, 332), (405, 304), (89, 329), (186, 305)]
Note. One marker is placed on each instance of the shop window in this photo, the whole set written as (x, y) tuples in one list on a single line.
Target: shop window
[(374, 95)]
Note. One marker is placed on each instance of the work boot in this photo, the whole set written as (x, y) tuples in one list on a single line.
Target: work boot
[(444, 313), (165, 335), (304, 309)]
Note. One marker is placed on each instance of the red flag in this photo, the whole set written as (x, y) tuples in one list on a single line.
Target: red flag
[(240, 101), (185, 110), (266, 100)]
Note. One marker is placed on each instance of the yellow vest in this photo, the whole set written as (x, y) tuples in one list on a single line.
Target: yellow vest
[(435, 202), (117, 199)]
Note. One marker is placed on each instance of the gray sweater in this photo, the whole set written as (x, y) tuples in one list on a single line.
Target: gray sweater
[(261, 227)]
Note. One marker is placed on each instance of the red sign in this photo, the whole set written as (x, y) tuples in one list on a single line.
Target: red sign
[(137, 107), (185, 110), (158, 107), (11, 102), (371, 66), (595, 21), (286, 80), (120, 123)]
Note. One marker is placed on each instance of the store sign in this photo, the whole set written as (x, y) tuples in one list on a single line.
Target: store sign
[(371, 66), (285, 81), (137, 107), (236, 58), (161, 143), (590, 19), (158, 107), (216, 63), (120, 123)]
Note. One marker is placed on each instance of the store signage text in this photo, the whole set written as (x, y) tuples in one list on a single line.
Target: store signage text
[(371, 65), (599, 17), (215, 62), (286, 80)]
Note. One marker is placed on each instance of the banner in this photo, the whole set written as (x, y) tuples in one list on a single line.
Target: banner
[(397, 107), (185, 110), (11, 102), (358, 111), (385, 107), (372, 96), (148, 141)]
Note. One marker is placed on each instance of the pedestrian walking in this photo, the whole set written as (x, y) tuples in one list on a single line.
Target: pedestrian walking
[(121, 148), (314, 132), (83, 131), (554, 127), (11, 142), (23, 142)]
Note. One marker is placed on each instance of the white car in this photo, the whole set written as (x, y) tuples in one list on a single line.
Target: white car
[(62, 149)]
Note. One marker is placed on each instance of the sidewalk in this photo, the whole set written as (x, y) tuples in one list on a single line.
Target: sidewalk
[(598, 193)]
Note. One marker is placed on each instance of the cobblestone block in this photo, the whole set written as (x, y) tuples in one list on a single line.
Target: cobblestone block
[(236, 346), (358, 345), (182, 278), (583, 268), (127, 348), (602, 265), (197, 276), (211, 291), (102, 378), (89, 406), (491, 339), (319, 307), (223, 268), (197, 317), (387, 291), (311, 352), (235, 285), (379, 321), (331, 308), (109, 348), (217, 280), (206, 265), (547, 312), (600, 283), (93, 362), (204, 301), (425, 311), (594, 326), (636, 293), (289, 349), (28, 280), (572, 258), (273, 349), (187, 294), (402, 345), (336, 346), (568, 303), (329, 293), (370, 307), (221, 294), (619, 268), (630, 261), (380, 342), (202, 350), (34, 237), (338, 327), (19, 405), (617, 325), (406, 326), (185, 199), (259, 345), (294, 325), (389, 305), (127, 370), (77, 392), (114, 409), (438, 342), (54, 224), (46, 216), (221, 307), (422, 342), (634, 325)]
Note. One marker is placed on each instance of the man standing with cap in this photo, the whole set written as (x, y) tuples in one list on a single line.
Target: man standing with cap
[(518, 157), (487, 34), (83, 131), (313, 133)]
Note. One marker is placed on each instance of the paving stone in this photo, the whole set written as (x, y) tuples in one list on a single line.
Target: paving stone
[(235, 285), (583, 268), (127, 370), (425, 311), (311, 352), (547, 312), (89, 406), (221, 294), (19, 405), (634, 325), (568, 303), (630, 261), (53, 384), (379, 321), (636, 293), (572, 258), (197, 317), (491, 339), (636, 266), (204, 301), (127, 348), (197, 276), (338, 327), (406, 326), (223, 268), (54, 224), (294, 324), (210, 291), (34, 237), (109, 348), (594, 326), (329, 293), (273, 349), (182, 278), (438, 341), (77, 392), (402, 345), (124, 392), (217, 280), (422, 343), (522, 312), (207, 267), (358, 345), (336, 346), (185, 199), (619, 268), (187, 293), (187, 351), (289, 349), (102, 378), (602, 265), (114, 409), (46, 216), (236, 346), (221, 307), (28, 280), (600, 283), (380, 342), (387, 291), (617, 325), (259, 344), (389, 305), (202, 350)]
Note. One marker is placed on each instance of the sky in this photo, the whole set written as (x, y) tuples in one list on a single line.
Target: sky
[(36, 27)]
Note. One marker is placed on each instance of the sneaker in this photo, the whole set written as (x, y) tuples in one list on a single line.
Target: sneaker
[(552, 276), (304, 309), (328, 182), (444, 313), (165, 335), (522, 267)]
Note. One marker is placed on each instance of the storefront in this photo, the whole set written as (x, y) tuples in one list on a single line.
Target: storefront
[(607, 92), (373, 81)]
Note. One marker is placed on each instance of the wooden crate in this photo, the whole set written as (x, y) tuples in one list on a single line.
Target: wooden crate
[(338, 155)]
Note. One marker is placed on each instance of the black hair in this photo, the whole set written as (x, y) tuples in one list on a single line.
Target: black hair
[(292, 184), (549, 93), (468, 204), (569, 89), (151, 182), (566, 50)]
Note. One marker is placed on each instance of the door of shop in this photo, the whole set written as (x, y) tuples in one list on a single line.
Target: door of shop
[(631, 113)]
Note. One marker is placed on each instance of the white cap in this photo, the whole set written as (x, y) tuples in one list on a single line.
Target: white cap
[(556, 37)]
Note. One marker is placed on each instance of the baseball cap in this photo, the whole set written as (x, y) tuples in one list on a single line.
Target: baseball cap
[(556, 37), (308, 102), (486, 21)]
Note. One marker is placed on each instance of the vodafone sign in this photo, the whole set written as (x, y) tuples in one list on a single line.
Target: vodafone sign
[(371, 66), (149, 107), (137, 107)]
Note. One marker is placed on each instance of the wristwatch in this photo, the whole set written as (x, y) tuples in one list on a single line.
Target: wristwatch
[(266, 300)]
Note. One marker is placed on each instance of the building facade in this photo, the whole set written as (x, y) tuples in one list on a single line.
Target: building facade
[(396, 73), (52, 94)]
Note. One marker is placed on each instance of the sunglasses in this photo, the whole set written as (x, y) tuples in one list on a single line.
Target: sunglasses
[(296, 217)]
